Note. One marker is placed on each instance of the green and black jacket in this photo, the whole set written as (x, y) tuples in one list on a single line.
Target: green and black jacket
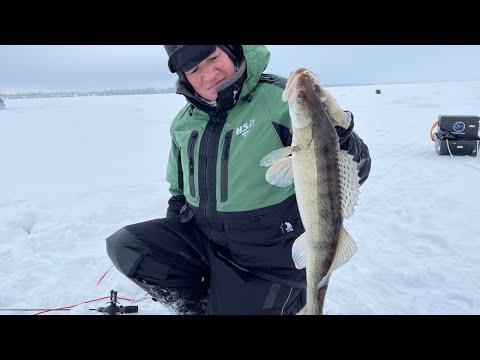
[(214, 167)]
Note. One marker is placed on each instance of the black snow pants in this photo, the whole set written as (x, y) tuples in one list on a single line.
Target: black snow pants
[(188, 273)]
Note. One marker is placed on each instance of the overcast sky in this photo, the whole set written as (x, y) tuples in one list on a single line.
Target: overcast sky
[(99, 67)]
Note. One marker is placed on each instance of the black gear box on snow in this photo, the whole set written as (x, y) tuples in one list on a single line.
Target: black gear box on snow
[(460, 127), (457, 147), (457, 135)]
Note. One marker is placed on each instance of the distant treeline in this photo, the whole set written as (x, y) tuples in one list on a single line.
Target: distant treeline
[(41, 94), (170, 90)]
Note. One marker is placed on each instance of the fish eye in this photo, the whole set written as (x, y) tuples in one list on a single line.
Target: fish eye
[(301, 95), (316, 88)]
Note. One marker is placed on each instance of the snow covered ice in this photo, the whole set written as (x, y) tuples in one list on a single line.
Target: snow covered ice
[(74, 170)]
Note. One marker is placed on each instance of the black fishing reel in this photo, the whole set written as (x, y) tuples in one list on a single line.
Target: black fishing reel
[(114, 308)]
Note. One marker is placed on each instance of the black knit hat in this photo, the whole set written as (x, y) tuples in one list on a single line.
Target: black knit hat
[(186, 57)]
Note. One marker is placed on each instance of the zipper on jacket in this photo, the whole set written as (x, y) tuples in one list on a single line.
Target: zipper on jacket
[(191, 163), (212, 139), (224, 167)]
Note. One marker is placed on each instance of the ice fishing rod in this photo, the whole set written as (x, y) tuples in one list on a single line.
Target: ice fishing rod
[(60, 309), (112, 309)]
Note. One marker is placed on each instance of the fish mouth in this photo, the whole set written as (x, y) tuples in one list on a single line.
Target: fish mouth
[(299, 83), (295, 78), (290, 86)]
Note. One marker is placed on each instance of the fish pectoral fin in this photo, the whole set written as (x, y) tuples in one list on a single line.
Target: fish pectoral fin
[(277, 155), (299, 251), (349, 183), (280, 173)]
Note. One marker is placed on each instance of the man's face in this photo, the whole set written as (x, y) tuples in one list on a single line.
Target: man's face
[(206, 76)]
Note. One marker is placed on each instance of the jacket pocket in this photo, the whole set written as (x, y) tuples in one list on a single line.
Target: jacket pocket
[(263, 242), (191, 161), (224, 167)]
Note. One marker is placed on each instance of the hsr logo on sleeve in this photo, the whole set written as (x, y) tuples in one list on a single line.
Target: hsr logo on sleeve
[(245, 128)]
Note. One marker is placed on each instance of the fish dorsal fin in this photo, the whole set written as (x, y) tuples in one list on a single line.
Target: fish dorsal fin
[(280, 173), (346, 248), (349, 183)]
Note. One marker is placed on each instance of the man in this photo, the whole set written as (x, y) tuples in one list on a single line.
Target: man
[(225, 244)]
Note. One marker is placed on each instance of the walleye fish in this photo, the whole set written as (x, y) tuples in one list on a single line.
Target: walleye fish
[(326, 184)]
